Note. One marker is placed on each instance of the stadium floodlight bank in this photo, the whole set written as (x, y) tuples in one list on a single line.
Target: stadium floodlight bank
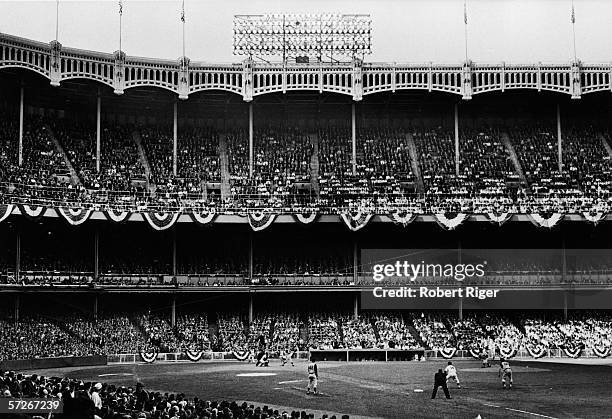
[(324, 36)]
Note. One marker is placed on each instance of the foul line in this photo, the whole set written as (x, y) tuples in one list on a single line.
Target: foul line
[(290, 382), (529, 413), (514, 410)]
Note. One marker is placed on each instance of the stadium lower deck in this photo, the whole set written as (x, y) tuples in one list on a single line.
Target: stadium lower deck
[(375, 390)]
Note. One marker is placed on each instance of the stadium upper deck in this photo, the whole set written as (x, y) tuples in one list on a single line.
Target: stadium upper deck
[(393, 154), (250, 79)]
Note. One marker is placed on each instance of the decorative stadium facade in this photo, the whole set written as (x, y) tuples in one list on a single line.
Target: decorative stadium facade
[(250, 79)]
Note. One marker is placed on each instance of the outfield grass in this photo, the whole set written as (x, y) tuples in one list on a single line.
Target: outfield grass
[(378, 389)]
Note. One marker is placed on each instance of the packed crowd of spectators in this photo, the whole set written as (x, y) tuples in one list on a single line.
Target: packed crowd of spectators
[(109, 334), (88, 400), (275, 332), (433, 330), (286, 329), (35, 337), (323, 331), (468, 332), (198, 157), (393, 332), (192, 331), (358, 333), (233, 334), (284, 168), (158, 332)]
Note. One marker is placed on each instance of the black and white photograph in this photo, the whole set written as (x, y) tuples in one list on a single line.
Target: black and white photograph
[(305, 209)]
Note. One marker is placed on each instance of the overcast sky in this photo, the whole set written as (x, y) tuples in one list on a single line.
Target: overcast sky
[(514, 31)]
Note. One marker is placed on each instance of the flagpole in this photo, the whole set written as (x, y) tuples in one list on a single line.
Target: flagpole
[(120, 23), (465, 27), (56, 19), (183, 20), (574, 29)]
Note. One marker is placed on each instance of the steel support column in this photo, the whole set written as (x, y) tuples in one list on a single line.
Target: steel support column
[(98, 132), (173, 313), (175, 140), (456, 139), (17, 303), (355, 262), (174, 270), (18, 257), (354, 139), (250, 308), (96, 254), (95, 307), (250, 257), (559, 140), (251, 139), (20, 151)]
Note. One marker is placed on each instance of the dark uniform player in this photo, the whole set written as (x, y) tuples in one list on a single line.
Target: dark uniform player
[(262, 359), (440, 381), (505, 372), (313, 376)]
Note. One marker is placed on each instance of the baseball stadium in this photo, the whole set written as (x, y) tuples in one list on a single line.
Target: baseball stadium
[(305, 232)]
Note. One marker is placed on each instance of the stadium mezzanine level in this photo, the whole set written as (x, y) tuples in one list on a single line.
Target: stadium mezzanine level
[(250, 79)]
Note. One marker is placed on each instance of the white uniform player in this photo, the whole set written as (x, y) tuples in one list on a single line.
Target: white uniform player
[(451, 372), (506, 373), (313, 376), (286, 356)]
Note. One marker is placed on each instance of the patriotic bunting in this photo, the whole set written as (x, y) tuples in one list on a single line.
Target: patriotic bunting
[(260, 220), (402, 217), (306, 218), (161, 220), (536, 351), (447, 353), (548, 222), (204, 216), (31, 211), (194, 356), (476, 352), (507, 350), (116, 216), (148, 357), (594, 217), (499, 218), (356, 220), (602, 350), (74, 216), (573, 351), (450, 223), (240, 355), (5, 211)]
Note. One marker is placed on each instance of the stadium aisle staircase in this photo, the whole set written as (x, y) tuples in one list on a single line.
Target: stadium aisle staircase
[(271, 332), (606, 144), (224, 165), (74, 178), (142, 156), (213, 328), (376, 332), (515, 161), (314, 164), (415, 334), (414, 162)]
